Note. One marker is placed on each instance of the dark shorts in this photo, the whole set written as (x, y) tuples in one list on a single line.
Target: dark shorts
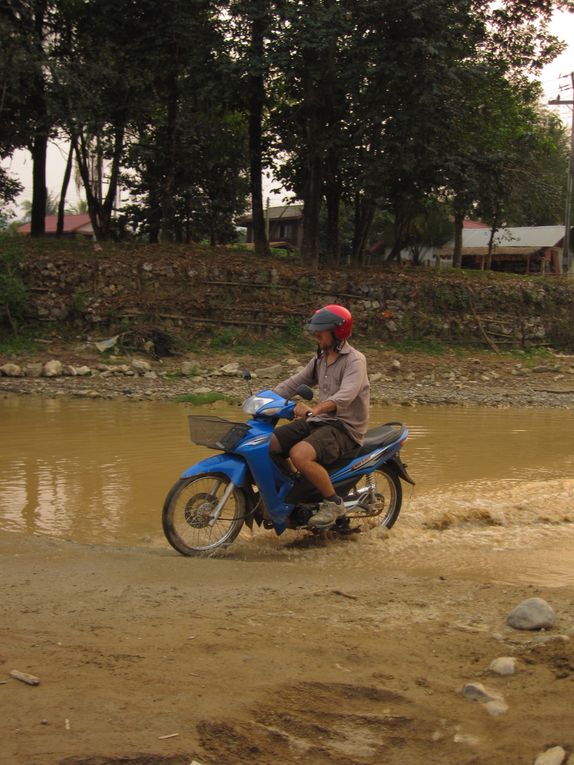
[(329, 441)]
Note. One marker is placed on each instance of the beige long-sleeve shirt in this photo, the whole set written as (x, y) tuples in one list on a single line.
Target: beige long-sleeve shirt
[(344, 381)]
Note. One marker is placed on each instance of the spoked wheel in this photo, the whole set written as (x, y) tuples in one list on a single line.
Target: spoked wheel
[(383, 493), (191, 521)]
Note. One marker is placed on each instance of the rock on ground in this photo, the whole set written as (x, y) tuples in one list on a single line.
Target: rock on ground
[(531, 614), (554, 756), (504, 665)]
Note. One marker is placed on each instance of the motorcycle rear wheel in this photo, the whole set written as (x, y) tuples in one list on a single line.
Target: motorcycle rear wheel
[(388, 492), (187, 517)]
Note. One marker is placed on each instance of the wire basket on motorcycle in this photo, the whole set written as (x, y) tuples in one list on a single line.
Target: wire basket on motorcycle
[(216, 432)]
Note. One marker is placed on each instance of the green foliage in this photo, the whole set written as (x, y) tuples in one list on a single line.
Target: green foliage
[(9, 190), (52, 202), (285, 253), (370, 109), (450, 297), (420, 327), (14, 345), (13, 292), (78, 304), (242, 341), (561, 334), (532, 356), (226, 339), (385, 106), (537, 194)]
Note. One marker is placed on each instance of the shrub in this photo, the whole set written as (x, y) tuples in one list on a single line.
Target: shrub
[(13, 292)]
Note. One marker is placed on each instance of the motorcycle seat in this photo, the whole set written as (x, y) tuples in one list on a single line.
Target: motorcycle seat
[(383, 435)]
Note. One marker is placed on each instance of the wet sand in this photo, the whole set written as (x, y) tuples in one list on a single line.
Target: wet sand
[(285, 650)]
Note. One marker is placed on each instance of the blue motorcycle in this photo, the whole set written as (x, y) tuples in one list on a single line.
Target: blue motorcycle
[(207, 507)]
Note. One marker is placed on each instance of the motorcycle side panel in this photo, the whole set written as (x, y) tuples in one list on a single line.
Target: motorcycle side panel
[(366, 463), (228, 464)]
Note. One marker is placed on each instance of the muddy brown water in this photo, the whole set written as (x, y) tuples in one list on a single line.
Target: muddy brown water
[(98, 472)]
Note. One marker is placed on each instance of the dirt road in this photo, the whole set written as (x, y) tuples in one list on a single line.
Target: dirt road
[(279, 652)]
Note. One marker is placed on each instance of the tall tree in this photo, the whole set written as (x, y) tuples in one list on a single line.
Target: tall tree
[(497, 98), (103, 77), (187, 153), (27, 38), (537, 195), (256, 17), (409, 125), (309, 115)]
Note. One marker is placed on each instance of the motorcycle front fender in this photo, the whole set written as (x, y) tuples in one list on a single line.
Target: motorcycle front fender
[(228, 464)]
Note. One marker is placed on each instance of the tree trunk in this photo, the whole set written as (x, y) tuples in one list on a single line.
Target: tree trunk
[(311, 208), (312, 163), (332, 115), (107, 208), (458, 232), (39, 190), (39, 148), (313, 179), (493, 229), (404, 217), (333, 199), (64, 191), (364, 214), (256, 104), (99, 173), (100, 211), (168, 191), (82, 160)]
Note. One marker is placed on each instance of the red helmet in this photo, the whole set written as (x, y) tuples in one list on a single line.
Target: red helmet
[(334, 318)]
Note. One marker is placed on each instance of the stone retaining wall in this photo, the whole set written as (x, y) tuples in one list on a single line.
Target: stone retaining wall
[(185, 290)]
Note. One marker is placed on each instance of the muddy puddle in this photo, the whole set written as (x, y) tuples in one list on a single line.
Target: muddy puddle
[(489, 483)]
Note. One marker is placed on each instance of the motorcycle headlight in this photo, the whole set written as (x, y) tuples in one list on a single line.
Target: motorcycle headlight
[(254, 403)]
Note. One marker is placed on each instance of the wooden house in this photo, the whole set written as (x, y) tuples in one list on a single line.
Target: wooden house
[(519, 250), (284, 225)]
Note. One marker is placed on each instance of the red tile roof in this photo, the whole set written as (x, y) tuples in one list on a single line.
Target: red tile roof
[(71, 223), (474, 224)]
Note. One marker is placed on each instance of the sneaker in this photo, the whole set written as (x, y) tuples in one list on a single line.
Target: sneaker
[(328, 514)]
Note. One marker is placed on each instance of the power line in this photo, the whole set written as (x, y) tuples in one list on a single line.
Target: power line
[(566, 251)]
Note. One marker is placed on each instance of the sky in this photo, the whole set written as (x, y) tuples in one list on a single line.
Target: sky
[(555, 79)]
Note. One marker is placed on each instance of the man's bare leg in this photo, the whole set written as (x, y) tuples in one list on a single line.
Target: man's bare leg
[(304, 457), (283, 463)]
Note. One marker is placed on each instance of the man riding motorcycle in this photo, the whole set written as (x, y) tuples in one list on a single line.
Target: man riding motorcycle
[(322, 434)]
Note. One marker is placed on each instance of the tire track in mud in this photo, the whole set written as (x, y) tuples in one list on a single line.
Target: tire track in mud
[(318, 722)]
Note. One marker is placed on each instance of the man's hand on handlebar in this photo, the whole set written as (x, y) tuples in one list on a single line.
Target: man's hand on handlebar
[(301, 409)]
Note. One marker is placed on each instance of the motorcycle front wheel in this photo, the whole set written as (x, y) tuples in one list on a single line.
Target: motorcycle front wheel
[(384, 487), (190, 520)]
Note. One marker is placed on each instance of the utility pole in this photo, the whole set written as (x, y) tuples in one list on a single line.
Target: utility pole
[(567, 261)]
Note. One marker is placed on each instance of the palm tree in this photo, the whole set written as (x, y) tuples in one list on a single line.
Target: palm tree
[(52, 202), (80, 208)]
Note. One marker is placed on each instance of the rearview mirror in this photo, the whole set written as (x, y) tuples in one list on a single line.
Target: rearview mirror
[(305, 392)]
